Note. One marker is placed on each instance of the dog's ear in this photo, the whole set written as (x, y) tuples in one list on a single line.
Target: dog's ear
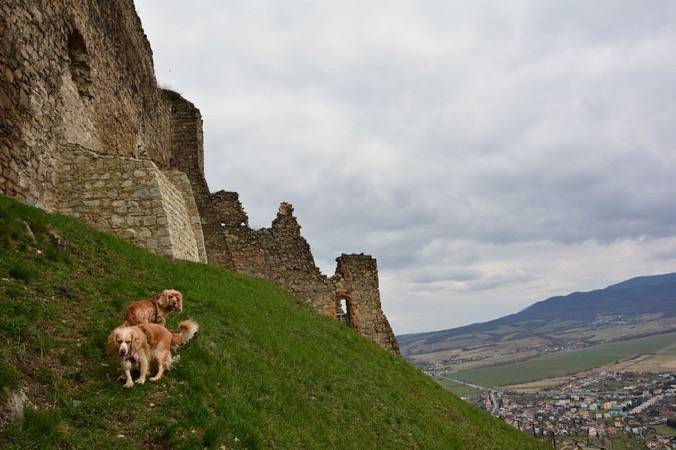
[(111, 345), (160, 299)]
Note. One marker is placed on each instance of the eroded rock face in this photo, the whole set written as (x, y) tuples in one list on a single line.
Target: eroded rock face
[(85, 130)]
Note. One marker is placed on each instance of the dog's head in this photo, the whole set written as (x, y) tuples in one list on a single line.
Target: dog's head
[(125, 341), (170, 299)]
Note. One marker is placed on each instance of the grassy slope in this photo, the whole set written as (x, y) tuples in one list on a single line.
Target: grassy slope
[(266, 371), (564, 363)]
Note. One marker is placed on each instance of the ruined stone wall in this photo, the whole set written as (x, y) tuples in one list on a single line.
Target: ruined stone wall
[(85, 130), (281, 254), (131, 198), (278, 253), (356, 280), (74, 72), (187, 155)]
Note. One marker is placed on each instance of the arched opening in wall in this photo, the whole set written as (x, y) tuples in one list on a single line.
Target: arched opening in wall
[(344, 311), (80, 67)]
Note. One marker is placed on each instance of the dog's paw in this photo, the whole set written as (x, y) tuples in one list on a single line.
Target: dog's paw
[(140, 381), (154, 378), (129, 384)]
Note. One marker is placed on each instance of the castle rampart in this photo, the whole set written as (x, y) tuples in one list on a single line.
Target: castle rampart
[(85, 130)]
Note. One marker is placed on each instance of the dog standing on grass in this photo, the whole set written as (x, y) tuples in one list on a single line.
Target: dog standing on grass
[(141, 345), (156, 309)]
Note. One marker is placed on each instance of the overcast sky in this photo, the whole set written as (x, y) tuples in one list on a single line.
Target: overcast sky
[(489, 154)]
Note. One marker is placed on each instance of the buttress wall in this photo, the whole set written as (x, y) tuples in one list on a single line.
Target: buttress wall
[(131, 198)]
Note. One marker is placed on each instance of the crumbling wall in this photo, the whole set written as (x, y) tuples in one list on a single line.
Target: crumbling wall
[(278, 253), (131, 198), (187, 155), (281, 254), (74, 73), (356, 280), (84, 130)]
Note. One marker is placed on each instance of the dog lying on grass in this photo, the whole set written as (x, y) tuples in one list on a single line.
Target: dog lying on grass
[(141, 345), (156, 309)]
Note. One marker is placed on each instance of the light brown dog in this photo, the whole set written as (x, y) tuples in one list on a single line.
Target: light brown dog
[(139, 346), (156, 309)]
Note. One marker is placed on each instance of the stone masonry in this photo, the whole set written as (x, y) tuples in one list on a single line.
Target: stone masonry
[(85, 130), (131, 198)]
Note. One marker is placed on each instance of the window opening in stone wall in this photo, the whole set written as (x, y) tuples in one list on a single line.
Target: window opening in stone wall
[(80, 68), (343, 312)]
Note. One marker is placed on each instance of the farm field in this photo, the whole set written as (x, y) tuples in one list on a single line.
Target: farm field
[(564, 363), (458, 389), (666, 430)]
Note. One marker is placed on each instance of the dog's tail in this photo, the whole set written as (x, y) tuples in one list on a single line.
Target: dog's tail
[(188, 331)]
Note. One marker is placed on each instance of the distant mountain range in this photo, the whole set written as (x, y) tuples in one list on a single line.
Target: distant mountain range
[(639, 306)]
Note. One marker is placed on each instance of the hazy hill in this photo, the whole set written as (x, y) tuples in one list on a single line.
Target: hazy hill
[(266, 371), (639, 306)]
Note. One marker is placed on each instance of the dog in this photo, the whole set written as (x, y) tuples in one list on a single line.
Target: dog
[(143, 344), (155, 310)]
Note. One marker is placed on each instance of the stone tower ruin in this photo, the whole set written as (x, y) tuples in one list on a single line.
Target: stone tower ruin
[(86, 131)]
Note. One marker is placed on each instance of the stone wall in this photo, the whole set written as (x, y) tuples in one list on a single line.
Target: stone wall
[(356, 280), (278, 253), (74, 72), (187, 155), (181, 182), (281, 254), (131, 198)]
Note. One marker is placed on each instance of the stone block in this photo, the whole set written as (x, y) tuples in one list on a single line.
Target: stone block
[(117, 221)]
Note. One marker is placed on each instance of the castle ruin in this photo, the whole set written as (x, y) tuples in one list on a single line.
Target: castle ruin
[(86, 131)]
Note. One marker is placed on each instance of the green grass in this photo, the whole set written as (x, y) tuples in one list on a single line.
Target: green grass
[(459, 389), (266, 371), (563, 363)]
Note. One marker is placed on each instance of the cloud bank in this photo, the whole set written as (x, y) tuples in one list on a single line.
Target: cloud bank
[(489, 155)]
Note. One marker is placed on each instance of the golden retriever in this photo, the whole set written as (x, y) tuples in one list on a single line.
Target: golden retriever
[(155, 310), (141, 345)]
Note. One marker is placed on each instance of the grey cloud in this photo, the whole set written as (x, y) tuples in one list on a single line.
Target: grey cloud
[(443, 137)]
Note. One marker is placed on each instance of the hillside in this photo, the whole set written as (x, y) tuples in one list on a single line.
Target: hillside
[(641, 306), (265, 371)]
